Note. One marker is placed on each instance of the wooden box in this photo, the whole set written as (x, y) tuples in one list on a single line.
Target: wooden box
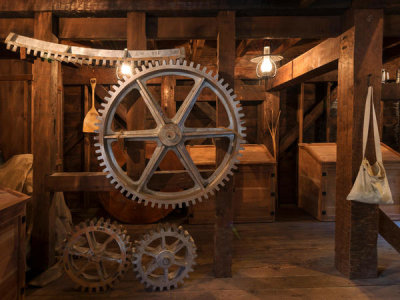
[(317, 180), (254, 190), (12, 244)]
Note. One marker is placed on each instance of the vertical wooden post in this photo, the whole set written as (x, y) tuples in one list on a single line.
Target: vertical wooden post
[(226, 53), (27, 116), (328, 111), (44, 146), (300, 112), (168, 103), (136, 115), (356, 223), (86, 141)]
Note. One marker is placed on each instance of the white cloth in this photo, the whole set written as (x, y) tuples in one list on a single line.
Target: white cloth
[(371, 185)]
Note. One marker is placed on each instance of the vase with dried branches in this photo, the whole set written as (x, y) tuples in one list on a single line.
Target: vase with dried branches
[(272, 125)]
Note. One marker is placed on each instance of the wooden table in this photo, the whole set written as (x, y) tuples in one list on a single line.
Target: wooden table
[(317, 180), (12, 243), (254, 187)]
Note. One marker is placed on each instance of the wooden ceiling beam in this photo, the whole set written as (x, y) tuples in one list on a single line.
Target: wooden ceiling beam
[(288, 27), (316, 61), (62, 7), (181, 28)]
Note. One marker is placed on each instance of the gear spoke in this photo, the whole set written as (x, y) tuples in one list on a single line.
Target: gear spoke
[(204, 133), (180, 262), (135, 135), (91, 240), (101, 270), (79, 251), (166, 273), (189, 165), (152, 166), (178, 247), (149, 251), (105, 244), (189, 102), (163, 242), (83, 268), (152, 105), (151, 267), (112, 257)]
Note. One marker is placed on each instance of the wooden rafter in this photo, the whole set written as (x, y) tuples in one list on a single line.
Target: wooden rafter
[(318, 60)]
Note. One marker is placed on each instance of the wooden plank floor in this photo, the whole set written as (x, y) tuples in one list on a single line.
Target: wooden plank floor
[(282, 260)]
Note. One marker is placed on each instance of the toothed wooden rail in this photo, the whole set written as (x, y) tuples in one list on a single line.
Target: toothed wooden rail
[(89, 56)]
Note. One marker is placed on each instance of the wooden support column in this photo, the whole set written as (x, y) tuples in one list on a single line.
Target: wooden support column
[(356, 223), (300, 112), (226, 52), (136, 116), (44, 146), (87, 102), (328, 111)]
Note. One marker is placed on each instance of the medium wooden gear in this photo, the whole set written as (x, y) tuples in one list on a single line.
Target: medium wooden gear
[(97, 254), (164, 257)]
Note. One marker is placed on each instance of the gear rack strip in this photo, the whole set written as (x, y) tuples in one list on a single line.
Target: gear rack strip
[(89, 56)]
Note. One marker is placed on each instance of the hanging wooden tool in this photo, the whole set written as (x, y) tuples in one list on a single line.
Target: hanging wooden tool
[(89, 123)]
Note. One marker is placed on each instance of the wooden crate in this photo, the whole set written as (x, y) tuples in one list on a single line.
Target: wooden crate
[(317, 180), (254, 190), (12, 243)]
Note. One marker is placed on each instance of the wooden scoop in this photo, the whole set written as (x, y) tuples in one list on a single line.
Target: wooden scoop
[(91, 117)]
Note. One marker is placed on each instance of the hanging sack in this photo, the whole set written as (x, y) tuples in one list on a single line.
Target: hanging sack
[(371, 185)]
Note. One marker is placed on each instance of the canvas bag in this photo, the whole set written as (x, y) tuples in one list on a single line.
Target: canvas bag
[(371, 185)]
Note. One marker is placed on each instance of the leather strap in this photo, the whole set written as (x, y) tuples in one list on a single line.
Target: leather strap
[(367, 116)]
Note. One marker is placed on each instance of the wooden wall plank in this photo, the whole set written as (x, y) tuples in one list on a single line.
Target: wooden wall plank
[(22, 26), (92, 29), (356, 223)]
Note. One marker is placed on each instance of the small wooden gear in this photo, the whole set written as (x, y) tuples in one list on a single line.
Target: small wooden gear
[(97, 254), (164, 257)]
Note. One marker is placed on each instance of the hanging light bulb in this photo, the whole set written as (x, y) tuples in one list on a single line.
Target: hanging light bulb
[(125, 69), (266, 66)]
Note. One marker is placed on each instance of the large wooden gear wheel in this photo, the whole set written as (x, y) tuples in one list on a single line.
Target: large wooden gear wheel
[(170, 134)]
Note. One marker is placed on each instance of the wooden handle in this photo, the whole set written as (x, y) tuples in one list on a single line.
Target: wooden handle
[(93, 84)]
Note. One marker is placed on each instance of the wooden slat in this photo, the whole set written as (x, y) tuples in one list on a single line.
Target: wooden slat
[(16, 77), (316, 61), (356, 222), (389, 230)]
